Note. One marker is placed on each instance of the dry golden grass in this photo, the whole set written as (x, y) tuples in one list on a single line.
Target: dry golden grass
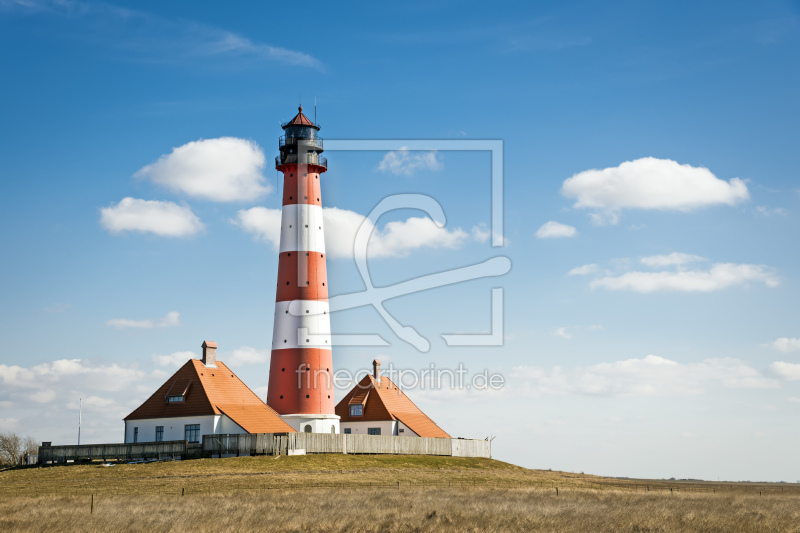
[(393, 510), (361, 493), (248, 473)]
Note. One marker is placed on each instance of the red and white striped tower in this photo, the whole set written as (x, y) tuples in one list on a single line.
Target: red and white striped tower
[(300, 374)]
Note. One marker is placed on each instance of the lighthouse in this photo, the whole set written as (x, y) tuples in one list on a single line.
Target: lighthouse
[(301, 369)]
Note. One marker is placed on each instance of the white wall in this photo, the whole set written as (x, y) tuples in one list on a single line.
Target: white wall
[(388, 427), (406, 430), (174, 427), (318, 425)]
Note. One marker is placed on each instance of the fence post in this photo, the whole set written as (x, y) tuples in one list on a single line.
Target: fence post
[(91, 511), (183, 491)]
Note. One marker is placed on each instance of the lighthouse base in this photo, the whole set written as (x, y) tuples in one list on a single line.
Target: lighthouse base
[(313, 423)]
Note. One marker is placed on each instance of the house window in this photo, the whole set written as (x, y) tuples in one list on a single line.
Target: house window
[(135, 435), (173, 399), (401, 430), (307, 429), (159, 433), (357, 410), (192, 432), (347, 431), (373, 431)]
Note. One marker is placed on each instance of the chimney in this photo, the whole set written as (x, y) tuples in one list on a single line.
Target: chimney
[(210, 353), (376, 370)]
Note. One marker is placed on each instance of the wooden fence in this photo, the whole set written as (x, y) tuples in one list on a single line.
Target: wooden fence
[(175, 449), (266, 444), (285, 444)]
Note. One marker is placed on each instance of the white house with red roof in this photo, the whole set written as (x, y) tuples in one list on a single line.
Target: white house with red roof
[(376, 406), (204, 397)]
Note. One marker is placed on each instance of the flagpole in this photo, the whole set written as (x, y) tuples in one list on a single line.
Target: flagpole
[(80, 415)]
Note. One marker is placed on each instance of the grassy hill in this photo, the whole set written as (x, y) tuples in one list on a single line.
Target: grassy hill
[(376, 493), (252, 473)]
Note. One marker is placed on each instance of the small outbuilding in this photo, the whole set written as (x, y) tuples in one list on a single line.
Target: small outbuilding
[(203, 397), (376, 406)]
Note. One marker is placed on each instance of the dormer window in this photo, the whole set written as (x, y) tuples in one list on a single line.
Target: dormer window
[(174, 399), (357, 410)]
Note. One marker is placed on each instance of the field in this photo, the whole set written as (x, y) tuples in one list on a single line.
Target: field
[(376, 493)]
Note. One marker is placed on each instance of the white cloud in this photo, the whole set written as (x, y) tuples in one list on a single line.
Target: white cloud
[(650, 183), (719, 276), (583, 270), (649, 376), (175, 359), (263, 223), (407, 163), (245, 355), (674, 259), (171, 319), (74, 374), (43, 396), (226, 169), (554, 230), (785, 344), (242, 356), (97, 401), (396, 239), (481, 232), (150, 216), (8, 423), (767, 211), (562, 332), (788, 371)]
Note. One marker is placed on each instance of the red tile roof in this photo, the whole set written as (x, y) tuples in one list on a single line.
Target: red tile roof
[(387, 402), (300, 120), (211, 391)]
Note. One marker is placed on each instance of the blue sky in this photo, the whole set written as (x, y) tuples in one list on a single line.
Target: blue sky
[(651, 330)]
